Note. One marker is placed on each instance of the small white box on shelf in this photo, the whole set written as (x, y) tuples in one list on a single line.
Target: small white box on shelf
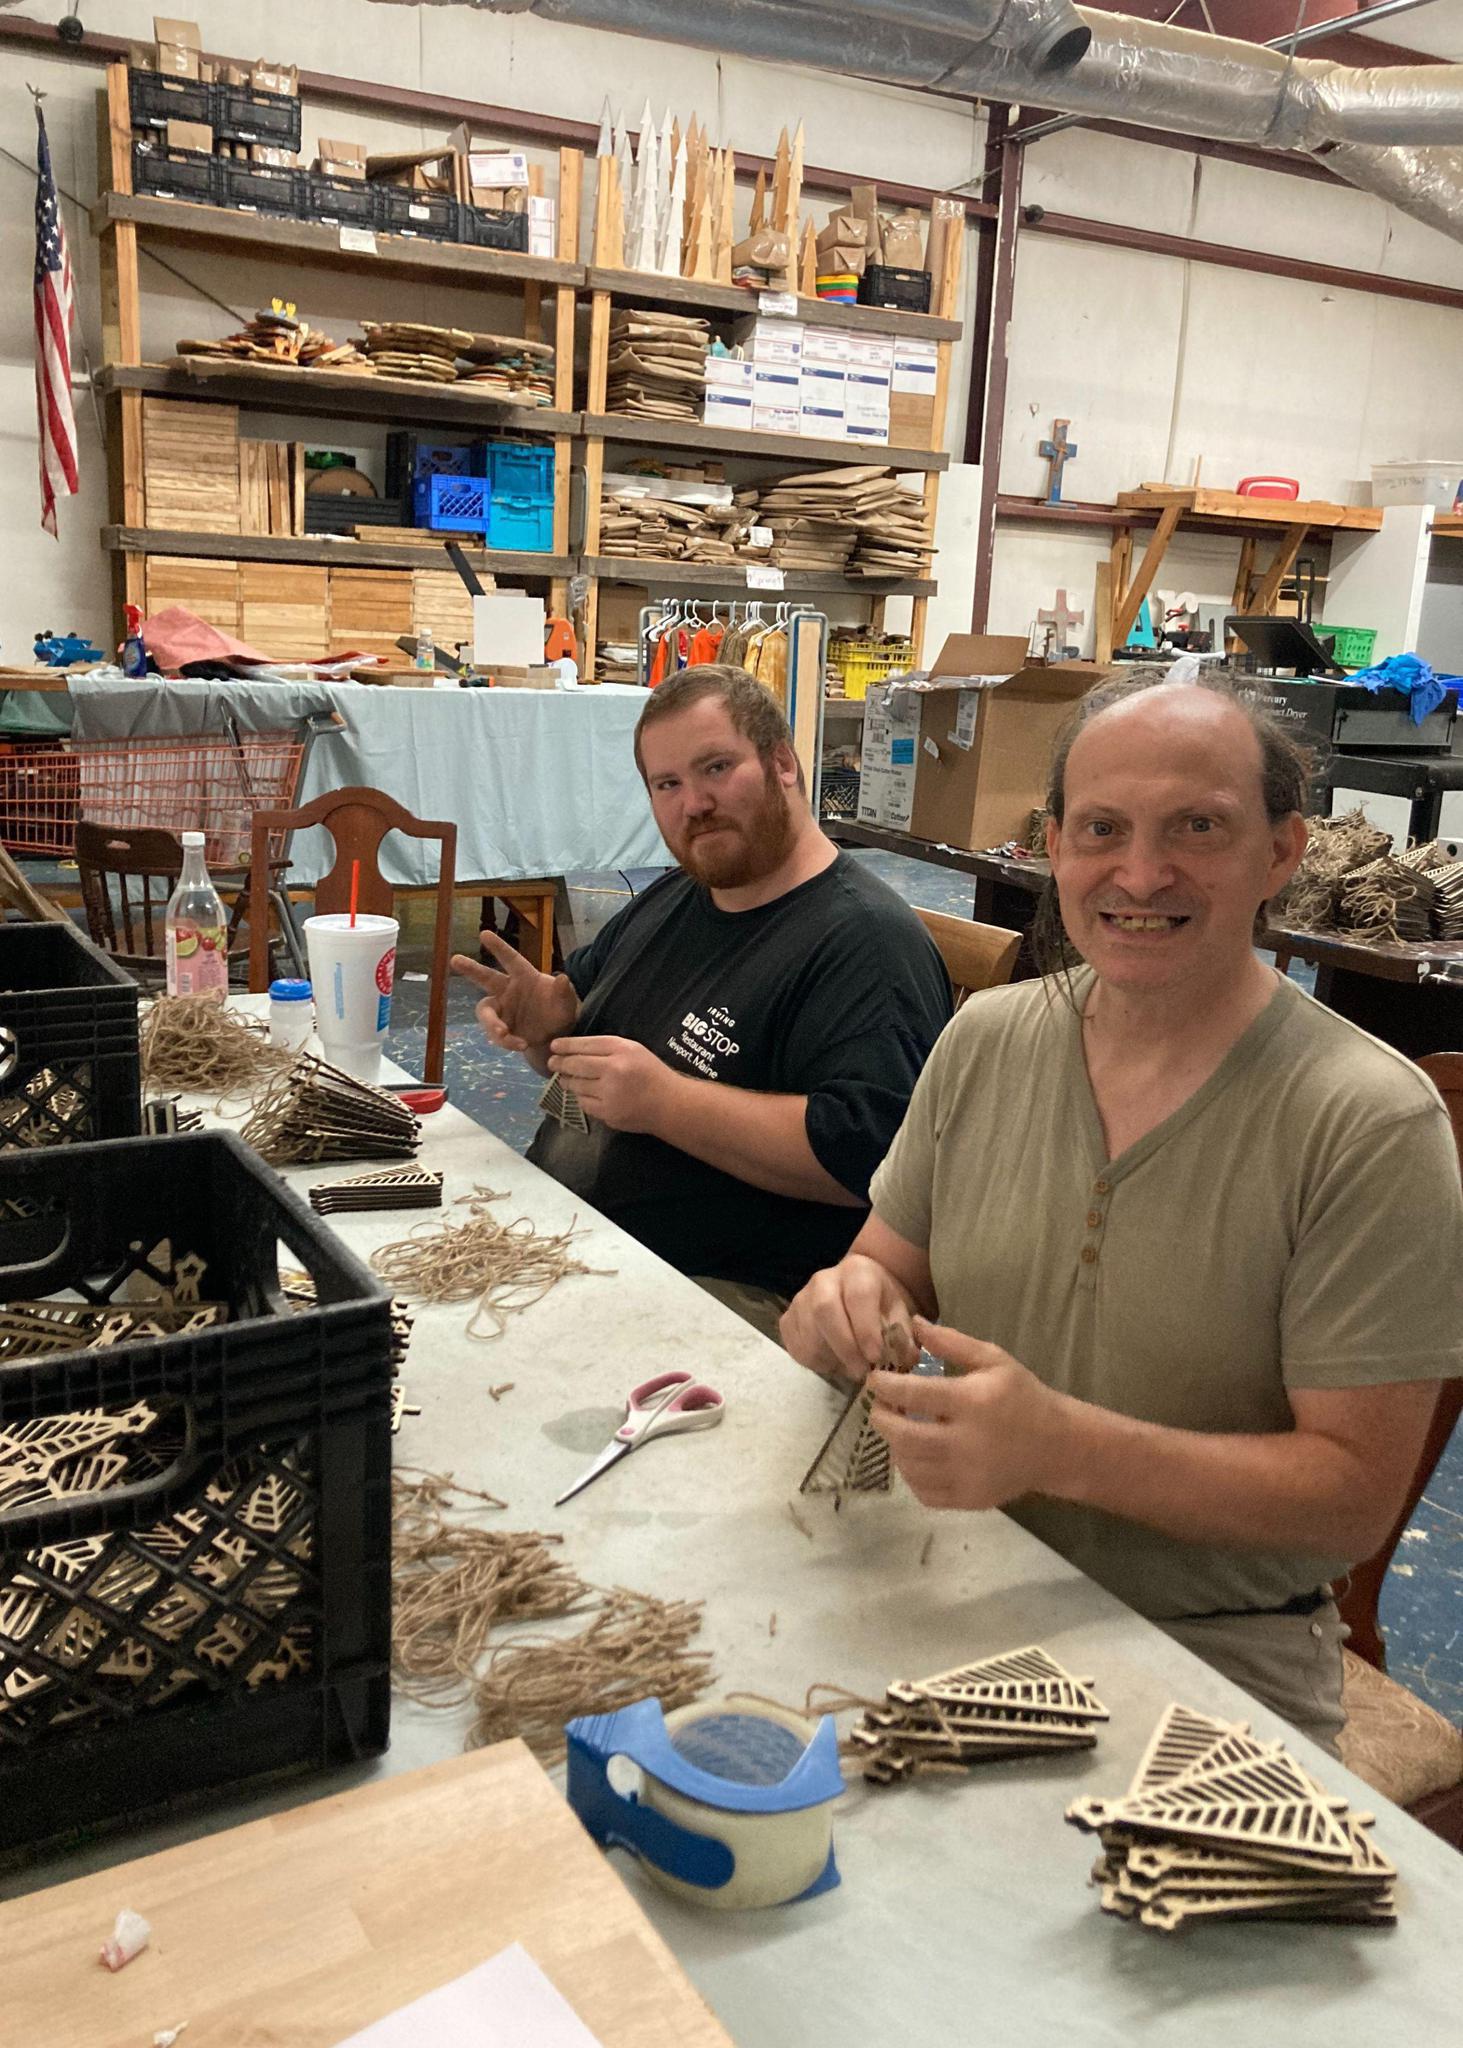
[(725, 407), (771, 341), (730, 373), (821, 400)]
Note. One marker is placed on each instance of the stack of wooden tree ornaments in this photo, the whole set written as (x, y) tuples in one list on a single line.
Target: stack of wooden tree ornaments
[(1218, 1826), (667, 205), (1019, 1704)]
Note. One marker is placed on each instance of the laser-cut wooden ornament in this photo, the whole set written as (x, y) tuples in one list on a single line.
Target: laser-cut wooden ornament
[(1030, 1707), (853, 1457), (562, 1104), (1217, 1825), (404, 1187)]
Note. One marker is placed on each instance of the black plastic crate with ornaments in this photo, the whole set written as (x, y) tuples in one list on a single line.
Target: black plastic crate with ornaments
[(69, 1064), (195, 1527)]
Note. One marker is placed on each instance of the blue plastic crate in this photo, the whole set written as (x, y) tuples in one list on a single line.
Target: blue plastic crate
[(526, 523), (461, 503), (519, 469)]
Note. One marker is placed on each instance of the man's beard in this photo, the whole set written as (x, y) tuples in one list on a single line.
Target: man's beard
[(749, 851)]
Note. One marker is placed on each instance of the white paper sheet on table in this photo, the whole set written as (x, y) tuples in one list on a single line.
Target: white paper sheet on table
[(503, 2003)]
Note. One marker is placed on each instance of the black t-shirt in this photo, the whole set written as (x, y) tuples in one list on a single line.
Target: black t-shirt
[(834, 991)]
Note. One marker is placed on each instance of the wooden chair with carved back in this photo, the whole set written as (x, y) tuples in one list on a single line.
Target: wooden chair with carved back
[(1394, 1740), (357, 821), (976, 956)]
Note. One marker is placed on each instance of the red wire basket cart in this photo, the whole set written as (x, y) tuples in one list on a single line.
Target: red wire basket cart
[(199, 782)]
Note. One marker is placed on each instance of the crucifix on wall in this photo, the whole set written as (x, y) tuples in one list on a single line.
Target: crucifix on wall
[(1059, 451)]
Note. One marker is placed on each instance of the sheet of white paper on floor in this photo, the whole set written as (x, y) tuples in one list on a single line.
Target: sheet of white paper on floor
[(503, 2003)]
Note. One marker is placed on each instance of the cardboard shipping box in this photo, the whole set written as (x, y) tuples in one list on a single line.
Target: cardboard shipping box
[(179, 47), (988, 719)]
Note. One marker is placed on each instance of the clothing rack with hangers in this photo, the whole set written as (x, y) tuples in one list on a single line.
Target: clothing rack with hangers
[(782, 644)]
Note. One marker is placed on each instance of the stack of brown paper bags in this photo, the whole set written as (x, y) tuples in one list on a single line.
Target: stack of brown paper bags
[(1019, 1704), (657, 365), (1218, 1826)]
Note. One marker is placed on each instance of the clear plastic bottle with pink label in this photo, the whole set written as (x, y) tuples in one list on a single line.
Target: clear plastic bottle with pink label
[(196, 930)]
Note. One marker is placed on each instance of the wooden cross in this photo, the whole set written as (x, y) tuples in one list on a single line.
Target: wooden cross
[(1058, 452), (1061, 618)]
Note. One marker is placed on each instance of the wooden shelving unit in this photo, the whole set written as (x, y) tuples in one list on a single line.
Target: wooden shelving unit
[(726, 578), (780, 451), (546, 287), (333, 394), (323, 551)]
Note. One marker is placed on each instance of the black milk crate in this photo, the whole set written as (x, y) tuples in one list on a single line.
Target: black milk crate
[(906, 291), (257, 188), (488, 228), (195, 1526), (341, 511), (342, 202), (176, 174), (154, 99), (69, 1068), (432, 215), (241, 115)]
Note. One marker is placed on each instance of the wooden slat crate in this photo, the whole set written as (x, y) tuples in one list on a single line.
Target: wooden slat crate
[(442, 606), (284, 609), (191, 465), (207, 587)]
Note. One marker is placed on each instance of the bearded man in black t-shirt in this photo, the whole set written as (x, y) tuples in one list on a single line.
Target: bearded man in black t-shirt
[(743, 1037)]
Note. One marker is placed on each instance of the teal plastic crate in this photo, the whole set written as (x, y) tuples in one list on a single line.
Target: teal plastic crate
[(518, 469), (525, 523)]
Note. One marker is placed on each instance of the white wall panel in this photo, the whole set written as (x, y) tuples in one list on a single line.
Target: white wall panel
[(1094, 338), (1106, 177)]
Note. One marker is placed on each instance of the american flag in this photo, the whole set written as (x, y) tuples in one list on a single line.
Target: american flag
[(55, 315)]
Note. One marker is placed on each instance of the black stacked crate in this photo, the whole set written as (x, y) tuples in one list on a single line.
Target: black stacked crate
[(218, 1607), (69, 1067)]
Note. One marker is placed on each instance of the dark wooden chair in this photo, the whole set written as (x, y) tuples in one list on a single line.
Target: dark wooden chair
[(357, 821), (976, 956), (1393, 1739)]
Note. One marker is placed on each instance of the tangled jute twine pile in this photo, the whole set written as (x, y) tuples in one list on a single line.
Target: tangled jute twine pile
[(203, 1048), (503, 1268), (454, 1581), (1335, 847)]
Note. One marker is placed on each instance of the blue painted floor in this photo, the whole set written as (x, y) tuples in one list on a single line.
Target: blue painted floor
[(1422, 1603)]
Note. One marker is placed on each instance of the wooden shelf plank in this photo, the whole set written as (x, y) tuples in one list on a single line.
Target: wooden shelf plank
[(333, 394), (707, 578), (769, 447), (1448, 525), (312, 241), (694, 294), (1205, 505), (322, 550), (1145, 508)]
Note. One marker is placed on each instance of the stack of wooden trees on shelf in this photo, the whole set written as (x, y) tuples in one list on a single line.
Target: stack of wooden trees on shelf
[(667, 205)]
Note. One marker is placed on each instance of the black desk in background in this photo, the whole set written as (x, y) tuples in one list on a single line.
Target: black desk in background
[(1389, 991)]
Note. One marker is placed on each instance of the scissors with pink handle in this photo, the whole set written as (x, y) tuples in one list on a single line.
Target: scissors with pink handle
[(671, 1402)]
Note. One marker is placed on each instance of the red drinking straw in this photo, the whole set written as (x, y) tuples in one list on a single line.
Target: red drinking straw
[(355, 890)]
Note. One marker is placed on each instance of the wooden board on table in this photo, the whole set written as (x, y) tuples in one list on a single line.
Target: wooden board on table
[(306, 1927)]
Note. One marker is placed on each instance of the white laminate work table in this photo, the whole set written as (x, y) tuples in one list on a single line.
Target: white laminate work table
[(964, 1915)]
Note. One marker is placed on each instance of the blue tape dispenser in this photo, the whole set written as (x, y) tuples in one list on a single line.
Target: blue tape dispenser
[(735, 1803)]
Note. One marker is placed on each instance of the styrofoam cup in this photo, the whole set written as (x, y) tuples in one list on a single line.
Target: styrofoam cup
[(352, 967)]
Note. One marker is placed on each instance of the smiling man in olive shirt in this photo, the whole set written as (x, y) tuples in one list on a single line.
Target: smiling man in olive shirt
[(744, 1036), (1193, 1241)]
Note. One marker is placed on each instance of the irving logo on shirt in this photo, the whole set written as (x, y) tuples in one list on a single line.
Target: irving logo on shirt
[(704, 1043)]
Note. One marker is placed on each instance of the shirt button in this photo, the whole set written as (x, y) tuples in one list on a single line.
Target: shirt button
[(1089, 1254), (1102, 1187), (1094, 1217)]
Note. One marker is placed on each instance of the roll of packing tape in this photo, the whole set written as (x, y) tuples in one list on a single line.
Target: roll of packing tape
[(776, 1856), (735, 1800)]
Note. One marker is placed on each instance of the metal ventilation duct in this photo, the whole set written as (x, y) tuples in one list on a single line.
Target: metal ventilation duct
[(1378, 129)]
